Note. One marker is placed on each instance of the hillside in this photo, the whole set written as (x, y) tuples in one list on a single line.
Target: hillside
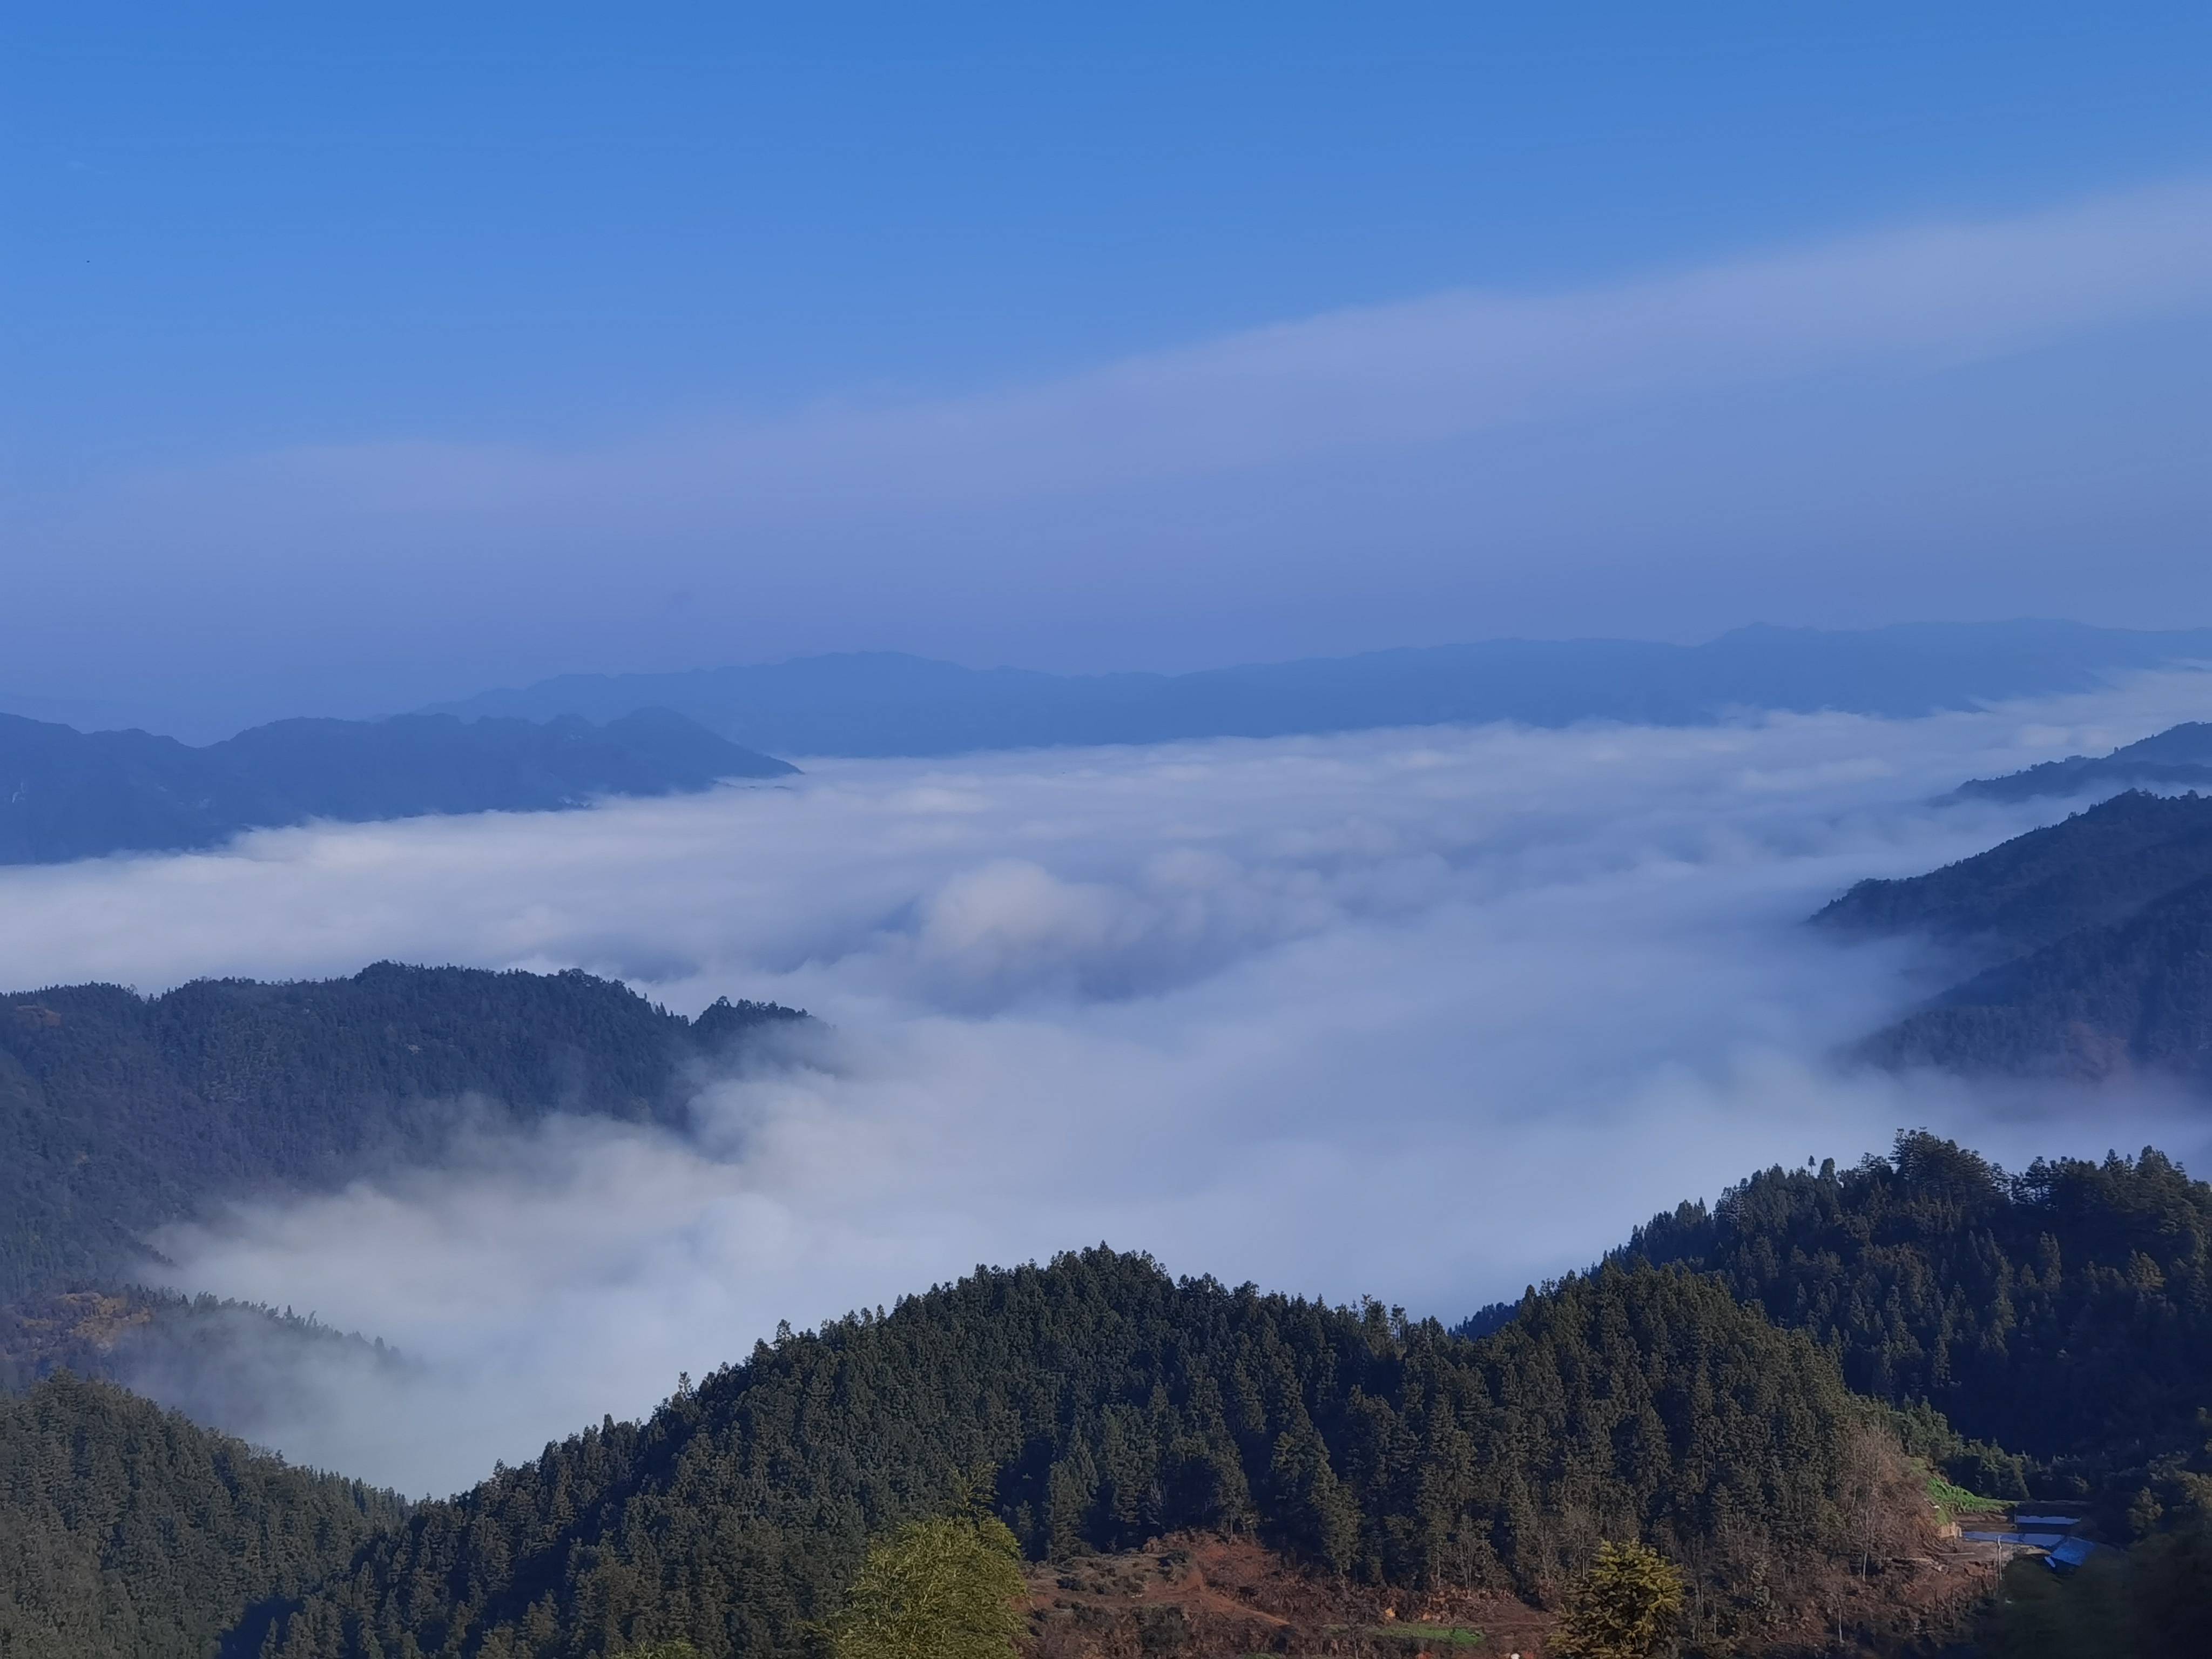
[(233, 1366), (2091, 939), (2132, 998), (2099, 866), (128, 1533), (69, 794), (886, 704), (1202, 1465), (2178, 758), (2065, 1313), (119, 1112), (1104, 1404)]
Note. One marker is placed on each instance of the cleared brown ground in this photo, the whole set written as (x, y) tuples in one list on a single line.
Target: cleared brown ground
[(1201, 1596)]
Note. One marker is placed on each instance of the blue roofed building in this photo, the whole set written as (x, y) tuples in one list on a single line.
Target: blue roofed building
[(2070, 1553)]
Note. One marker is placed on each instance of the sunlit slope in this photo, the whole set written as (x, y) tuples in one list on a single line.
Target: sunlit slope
[(128, 1533)]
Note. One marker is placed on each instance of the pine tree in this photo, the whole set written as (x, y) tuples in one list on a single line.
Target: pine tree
[(946, 1589), (1624, 1607)]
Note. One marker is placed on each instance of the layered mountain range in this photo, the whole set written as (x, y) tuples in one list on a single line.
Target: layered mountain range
[(2175, 760), (69, 794), (886, 704)]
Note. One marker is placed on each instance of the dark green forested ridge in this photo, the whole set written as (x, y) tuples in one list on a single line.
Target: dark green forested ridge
[(69, 794), (128, 1533), (2097, 867), (119, 1112), (1109, 1404), (2065, 1312)]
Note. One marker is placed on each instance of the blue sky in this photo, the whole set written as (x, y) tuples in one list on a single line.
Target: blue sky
[(358, 356)]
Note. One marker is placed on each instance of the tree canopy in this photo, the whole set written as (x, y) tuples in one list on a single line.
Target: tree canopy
[(947, 1587), (1624, 1607), (1116, 1405)]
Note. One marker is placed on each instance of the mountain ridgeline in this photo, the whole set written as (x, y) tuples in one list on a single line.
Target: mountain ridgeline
[(2064, 1313), (2092, 939), (886, 704), (119, 1112), (68, 794), (2178, 758), (1691, 1391), (1104, 1404)]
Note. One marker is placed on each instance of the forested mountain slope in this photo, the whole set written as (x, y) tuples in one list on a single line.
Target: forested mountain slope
[(2065, 1313), (2095, 935), (2134, 997), (119, 1112), (1102, 1404), (69, 794), (884, 703), (2097, 867), (2178, 758), (128, 1533), (235, 1366)]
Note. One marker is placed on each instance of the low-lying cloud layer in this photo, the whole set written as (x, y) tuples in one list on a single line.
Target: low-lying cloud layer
[(1426, 1015)]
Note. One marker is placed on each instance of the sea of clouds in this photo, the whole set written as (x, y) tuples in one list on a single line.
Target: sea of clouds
[(1427, 1015)]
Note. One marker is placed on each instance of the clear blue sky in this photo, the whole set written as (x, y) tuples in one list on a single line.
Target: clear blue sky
[(293, 292)]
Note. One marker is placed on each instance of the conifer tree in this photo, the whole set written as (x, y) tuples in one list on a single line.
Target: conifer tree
[(1624, 1607), (945, 1589)]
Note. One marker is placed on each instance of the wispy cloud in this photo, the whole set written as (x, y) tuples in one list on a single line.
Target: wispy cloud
[(1412, 373), (1942, 420)]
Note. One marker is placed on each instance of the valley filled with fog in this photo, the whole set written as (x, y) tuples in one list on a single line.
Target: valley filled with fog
[(1426, 1015)]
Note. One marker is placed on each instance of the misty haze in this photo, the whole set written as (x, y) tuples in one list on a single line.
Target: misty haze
[(963, 835)]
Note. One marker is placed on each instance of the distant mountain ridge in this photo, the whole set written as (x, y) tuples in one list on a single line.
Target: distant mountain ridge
[(2178, 758), (884, 704), (2091, 940), (2099, 866), (69, 794)]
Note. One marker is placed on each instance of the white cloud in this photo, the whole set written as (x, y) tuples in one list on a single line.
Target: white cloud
[(1423, 1014), (1389, 375)]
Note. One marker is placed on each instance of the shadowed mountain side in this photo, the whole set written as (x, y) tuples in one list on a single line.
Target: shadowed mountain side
[(886, 704), (119, 1112), (69, 794), (2133, 997), (2099, 867), (2176, 759), (129, 1533)]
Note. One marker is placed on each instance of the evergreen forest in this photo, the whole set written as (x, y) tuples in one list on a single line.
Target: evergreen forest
[(1754, 1391), (119, 1112), (2088, 947)]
